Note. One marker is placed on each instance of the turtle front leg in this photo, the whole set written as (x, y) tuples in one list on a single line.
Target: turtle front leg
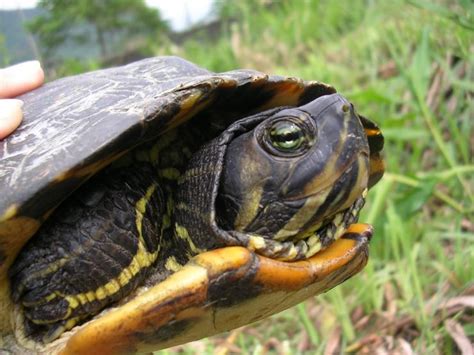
[(93, 251)]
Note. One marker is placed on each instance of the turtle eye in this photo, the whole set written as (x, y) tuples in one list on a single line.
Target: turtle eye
[(286, 136)]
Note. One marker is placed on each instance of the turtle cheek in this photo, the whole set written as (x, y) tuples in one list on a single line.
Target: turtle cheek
[(243, 183), (272, 219), (327, 186), (336, 170), (253, 185)]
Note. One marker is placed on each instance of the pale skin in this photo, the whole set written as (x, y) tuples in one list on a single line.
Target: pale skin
[(16, 80)]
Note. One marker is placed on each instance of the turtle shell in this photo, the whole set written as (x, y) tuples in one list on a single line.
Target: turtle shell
[(73, 127)]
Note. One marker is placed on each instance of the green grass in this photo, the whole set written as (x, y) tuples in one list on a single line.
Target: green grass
[(409, 67)]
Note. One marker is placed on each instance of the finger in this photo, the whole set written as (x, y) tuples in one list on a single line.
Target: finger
[(20, 78), (10, 116)]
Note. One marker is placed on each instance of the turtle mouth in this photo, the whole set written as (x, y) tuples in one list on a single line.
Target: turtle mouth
[(319, 237), (309, 242)]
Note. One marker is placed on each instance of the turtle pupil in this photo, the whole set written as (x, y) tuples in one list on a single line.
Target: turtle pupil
[(286, 136)]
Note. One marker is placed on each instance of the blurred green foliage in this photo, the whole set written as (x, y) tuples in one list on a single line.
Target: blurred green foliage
[(108, 24)]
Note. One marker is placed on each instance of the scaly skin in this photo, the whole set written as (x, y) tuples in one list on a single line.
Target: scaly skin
[(176, 213)]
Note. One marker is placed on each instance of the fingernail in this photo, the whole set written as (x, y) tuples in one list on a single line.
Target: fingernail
[(10, 116), (25, 67), (10, 105)]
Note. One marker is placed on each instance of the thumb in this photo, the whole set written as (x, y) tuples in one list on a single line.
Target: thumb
[(10, 116)]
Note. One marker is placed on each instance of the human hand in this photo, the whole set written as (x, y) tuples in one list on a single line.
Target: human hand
[(16, 80)]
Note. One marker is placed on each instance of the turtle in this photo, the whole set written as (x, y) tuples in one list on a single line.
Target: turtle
[(157, 203)]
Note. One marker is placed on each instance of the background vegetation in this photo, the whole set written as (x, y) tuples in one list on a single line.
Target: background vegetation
[(408, 65)]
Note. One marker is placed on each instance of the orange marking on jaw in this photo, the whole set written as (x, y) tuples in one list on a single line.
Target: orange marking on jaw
[(376, 163), (376, 168), (372, 132)]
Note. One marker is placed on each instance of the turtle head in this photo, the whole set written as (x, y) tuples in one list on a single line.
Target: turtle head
[(286, 182), (297, 179)]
